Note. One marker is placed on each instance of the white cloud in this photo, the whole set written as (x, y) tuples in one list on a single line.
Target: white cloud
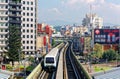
[(72, 2), (108, 10), (55, 10)]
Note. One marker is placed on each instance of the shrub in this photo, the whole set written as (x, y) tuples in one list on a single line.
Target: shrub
[(110, 55)]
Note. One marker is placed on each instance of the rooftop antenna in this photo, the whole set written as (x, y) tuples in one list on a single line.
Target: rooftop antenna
[(90, 14)]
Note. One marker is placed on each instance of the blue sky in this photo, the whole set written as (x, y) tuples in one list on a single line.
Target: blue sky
[(75, 10)]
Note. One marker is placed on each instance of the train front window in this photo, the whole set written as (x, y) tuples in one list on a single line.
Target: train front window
[(49, 60)]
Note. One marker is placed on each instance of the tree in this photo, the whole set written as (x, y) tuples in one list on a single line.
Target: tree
[(98, 51), (53, 42), (110, 55), (14, 43)]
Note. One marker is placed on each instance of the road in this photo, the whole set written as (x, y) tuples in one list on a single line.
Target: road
[(115, 74)]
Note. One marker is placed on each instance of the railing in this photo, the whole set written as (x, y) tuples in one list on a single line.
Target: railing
[(80, 66), (35, 73)]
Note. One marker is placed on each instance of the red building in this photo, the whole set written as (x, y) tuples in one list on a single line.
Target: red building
[(44, 32)]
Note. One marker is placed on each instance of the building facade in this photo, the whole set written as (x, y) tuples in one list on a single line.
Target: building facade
[(44, 38), (10, 15), (92, 20), (22, 13), (29, 24)]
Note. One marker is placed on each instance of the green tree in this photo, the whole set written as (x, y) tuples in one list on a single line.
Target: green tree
[(14, 43), (53, 42), (97, 51), (110, 55)]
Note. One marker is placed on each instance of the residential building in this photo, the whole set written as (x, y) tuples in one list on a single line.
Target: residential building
[(22, 13), (10, 15), (29, 24)]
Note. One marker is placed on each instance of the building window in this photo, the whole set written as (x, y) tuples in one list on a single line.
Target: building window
[(27, 19), (31, 9), (31, 31), (23, 25), (31, 14), (23, 36), (27, 8), (27, 25), (31, 36), (27, 2), (27, 42), (6, 7), (27, 47), (23, 19), (31, 19), (31, 47), (23, 13), (31, 25), (27, 31), (23, 8), (27, 36), (23, 31), (6, 24), (23, 47), (27, 14), (31, 3), (23, 2), (23, 42), (31, 42), (6, 30)]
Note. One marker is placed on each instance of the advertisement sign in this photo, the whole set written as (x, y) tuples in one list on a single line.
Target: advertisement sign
[(106, 36)]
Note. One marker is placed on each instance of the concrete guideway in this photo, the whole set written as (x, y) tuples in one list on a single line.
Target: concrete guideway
[(59, 73)]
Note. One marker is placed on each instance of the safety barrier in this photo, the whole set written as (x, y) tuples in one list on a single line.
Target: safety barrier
[(35, 73), (86, 74)]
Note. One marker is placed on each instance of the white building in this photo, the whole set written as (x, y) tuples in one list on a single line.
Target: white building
[(3, 24), (92, 20), (29, 24), (24, 14)]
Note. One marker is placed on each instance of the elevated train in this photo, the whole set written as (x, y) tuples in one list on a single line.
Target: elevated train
[(51, 59)]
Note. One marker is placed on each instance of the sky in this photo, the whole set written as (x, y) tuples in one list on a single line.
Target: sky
[(75, 10)]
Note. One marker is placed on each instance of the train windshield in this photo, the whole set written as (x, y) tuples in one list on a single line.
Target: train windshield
[(49, 60)]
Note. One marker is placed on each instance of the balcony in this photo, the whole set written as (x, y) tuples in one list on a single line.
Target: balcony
[(15, 15), (3, 9), (3, 27), (15, 3), (4, 15), (3, 21), (15, 21), (15, 9), (3, 3)]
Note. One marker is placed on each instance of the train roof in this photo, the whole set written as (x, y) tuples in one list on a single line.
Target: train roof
[(53, 52)]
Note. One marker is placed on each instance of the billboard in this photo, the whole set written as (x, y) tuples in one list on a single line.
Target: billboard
[(106, 36)]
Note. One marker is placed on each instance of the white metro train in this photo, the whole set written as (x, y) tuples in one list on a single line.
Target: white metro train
[(51, 59)]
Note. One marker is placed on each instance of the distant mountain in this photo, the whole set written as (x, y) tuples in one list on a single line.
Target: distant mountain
[(109, 24), (59, 22)]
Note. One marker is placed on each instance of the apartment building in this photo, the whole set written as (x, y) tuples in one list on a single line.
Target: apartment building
[(10, 15), (22, 13), (29, 24)]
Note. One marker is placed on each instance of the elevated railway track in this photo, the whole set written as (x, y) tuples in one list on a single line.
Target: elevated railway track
[(68, 67)]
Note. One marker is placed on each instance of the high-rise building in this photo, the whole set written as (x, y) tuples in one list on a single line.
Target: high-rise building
[(21, 13), (29, 24), (10, 15), (92, 20)]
